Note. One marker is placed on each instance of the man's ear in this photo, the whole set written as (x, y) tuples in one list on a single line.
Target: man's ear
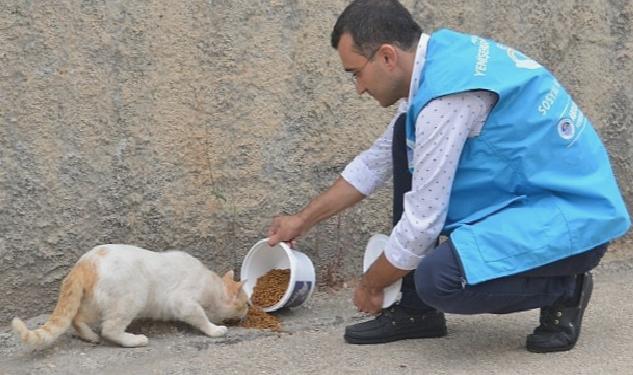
[(388, 54)]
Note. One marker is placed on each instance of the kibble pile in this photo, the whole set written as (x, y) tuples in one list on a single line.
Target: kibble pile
[(268, 291), (258, 319)]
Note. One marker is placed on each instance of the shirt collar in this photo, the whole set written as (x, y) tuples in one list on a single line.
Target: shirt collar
[(418, 65)]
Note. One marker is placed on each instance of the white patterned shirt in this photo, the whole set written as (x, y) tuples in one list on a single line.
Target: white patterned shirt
[(442, 128)]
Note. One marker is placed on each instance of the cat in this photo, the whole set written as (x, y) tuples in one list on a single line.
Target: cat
[(115, 284)]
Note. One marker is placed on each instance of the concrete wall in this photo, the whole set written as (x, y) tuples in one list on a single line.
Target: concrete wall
[(189, 124)]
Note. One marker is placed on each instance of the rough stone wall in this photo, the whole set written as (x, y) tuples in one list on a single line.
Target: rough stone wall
[(188, 125)]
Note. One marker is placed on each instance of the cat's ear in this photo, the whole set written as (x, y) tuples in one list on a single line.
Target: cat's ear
[(229, 275)]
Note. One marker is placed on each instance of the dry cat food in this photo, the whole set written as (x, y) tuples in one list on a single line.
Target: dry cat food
[(268, 291), (270, 287), (258, 319)]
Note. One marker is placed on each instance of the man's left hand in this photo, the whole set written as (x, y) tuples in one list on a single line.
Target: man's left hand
[(368, 300), (369, 293)]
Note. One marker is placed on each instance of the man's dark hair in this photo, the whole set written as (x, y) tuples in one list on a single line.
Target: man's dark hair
[(374, 22)]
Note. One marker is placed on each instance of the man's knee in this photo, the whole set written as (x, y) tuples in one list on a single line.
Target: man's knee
[(437, 283)]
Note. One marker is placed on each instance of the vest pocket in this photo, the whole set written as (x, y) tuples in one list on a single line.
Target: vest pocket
[(532, 233)]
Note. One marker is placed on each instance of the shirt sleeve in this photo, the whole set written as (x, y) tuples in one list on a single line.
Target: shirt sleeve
[(373, 167), (442, 128)]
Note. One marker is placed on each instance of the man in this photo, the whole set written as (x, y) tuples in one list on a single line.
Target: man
[(487, 148)]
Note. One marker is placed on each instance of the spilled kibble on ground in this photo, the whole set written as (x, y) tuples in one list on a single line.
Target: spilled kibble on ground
[(258, 319), (268, 290)]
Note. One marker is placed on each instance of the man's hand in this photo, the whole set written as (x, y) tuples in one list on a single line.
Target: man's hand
[(368, 300), (285, 229), (369, 293), (339, 196)]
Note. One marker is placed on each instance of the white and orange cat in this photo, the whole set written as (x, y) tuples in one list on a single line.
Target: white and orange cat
[(115, 284)]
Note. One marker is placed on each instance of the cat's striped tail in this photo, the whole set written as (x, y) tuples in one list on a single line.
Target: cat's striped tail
[(79, 281)]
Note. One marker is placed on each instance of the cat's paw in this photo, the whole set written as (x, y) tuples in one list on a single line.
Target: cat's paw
[(217, 331), (89, 337), (133, 341)]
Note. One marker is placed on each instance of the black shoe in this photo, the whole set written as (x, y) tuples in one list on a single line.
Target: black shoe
[(395, 323), (560, 323)]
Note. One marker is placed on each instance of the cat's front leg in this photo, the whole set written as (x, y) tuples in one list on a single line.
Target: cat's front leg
[(193, 314), (215, 330)]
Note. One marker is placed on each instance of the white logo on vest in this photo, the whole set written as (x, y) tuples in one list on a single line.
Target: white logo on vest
[(520, 60)]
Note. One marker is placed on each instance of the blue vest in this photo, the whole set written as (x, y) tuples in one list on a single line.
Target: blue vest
[(536, 185)]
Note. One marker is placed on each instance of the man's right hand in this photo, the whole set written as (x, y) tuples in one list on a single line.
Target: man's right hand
[(339, 196), (286, 229)]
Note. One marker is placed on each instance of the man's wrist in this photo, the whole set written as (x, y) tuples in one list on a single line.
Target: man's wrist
[(304, 218), (381, 274), (369, 286), (369, 282)]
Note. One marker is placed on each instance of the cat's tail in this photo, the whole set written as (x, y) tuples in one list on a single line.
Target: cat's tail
[(79, 281)]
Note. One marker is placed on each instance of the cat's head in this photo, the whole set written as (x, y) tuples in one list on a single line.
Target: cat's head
[(235, 298)]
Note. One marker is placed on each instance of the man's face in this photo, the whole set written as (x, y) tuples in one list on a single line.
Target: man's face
[(371, 75)]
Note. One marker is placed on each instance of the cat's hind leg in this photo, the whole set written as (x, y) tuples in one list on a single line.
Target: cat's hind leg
[(80, 322), (193, 314), (113, 329), (85, 332)]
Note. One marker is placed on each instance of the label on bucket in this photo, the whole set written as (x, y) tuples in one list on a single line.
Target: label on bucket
[(299, 293)]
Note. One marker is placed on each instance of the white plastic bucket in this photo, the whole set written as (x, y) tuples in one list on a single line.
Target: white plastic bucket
[(263, 258), (375, 247)]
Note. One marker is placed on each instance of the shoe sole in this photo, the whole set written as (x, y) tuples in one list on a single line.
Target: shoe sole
[(384, 340), (585, 301)]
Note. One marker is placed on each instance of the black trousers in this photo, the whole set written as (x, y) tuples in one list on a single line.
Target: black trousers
[(437, 282)]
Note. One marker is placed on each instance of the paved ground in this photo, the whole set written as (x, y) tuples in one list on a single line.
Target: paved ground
[(312, 344)]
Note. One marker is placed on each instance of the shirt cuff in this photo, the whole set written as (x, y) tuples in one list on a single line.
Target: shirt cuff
[(399, 257), (361, 177)]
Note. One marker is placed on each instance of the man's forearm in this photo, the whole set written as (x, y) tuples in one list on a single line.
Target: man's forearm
[(338, 197), (382, 274)]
